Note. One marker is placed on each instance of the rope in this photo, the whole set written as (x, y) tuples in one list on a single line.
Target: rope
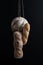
[(20, 8), (21, 29)]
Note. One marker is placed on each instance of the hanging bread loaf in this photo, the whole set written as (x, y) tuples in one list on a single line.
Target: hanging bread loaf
[(21, 29)]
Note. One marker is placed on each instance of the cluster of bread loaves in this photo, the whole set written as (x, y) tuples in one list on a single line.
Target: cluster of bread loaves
[(21, 29)]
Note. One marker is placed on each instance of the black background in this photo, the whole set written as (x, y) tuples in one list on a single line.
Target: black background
[(33, 51)]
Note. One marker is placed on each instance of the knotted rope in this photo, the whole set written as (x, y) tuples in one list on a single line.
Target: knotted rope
[(21, 29)]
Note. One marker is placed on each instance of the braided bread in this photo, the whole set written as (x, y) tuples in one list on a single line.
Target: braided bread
[(21, 29)]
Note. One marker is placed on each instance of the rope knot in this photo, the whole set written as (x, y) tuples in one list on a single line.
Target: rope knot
[(21, 29)]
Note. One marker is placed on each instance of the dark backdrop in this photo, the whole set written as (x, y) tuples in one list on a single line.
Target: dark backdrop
[(33, 51)]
